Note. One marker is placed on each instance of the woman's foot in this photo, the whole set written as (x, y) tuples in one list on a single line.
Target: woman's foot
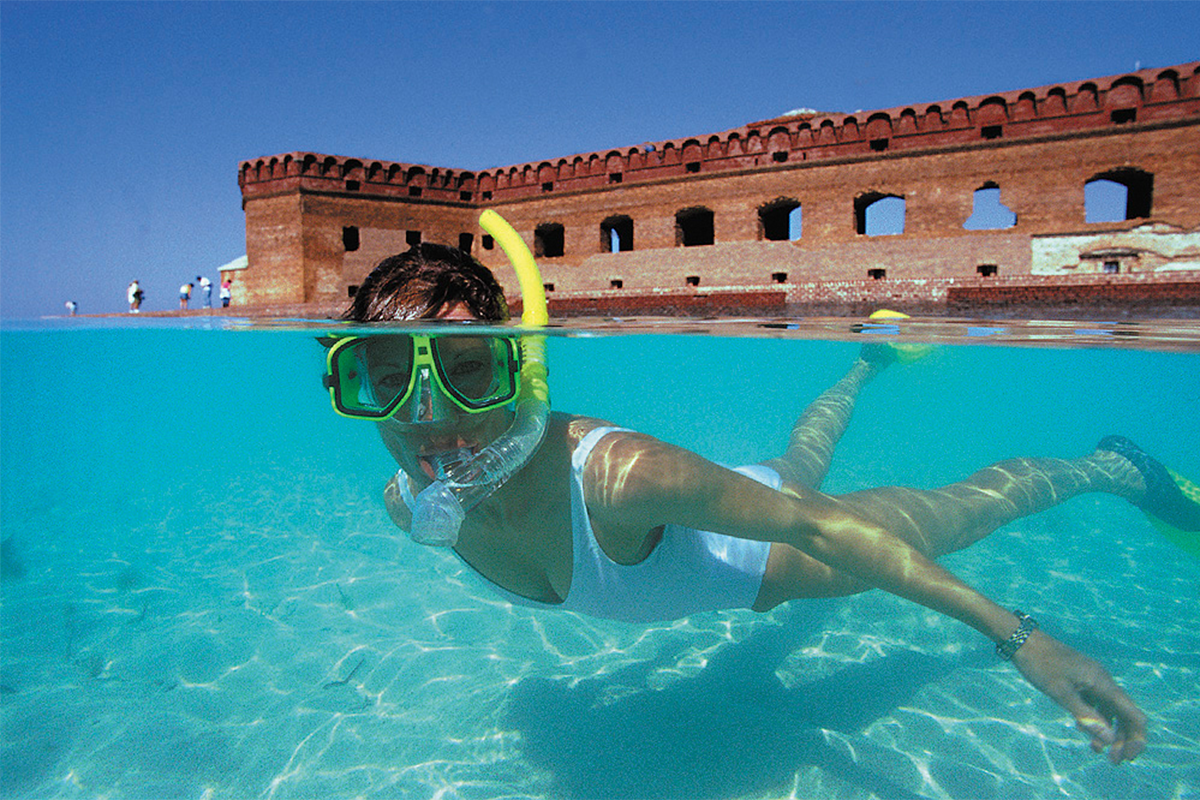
[(1164, 500)]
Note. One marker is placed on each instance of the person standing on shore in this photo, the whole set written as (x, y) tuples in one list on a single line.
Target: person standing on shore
[(206, 286), (185, 294), (134, 294), (226, 291)]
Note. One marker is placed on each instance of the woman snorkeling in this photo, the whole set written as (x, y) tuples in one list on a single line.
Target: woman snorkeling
[(566, 511)]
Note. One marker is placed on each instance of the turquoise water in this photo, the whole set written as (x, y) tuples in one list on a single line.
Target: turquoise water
[(203, 596)]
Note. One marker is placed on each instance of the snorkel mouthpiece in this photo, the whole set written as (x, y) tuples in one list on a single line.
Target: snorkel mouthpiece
[(464, 480)]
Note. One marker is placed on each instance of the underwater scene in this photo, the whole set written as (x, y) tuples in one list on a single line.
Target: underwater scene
[(203, 595)]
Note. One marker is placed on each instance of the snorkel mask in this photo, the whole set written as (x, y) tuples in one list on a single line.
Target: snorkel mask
[(424, 379)]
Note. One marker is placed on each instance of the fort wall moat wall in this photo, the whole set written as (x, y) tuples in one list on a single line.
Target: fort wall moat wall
[(777, 214)]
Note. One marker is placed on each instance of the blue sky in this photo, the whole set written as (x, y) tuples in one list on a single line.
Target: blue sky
[(122, 124)]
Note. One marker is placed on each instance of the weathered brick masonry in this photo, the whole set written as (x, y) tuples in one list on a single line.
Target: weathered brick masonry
[(701, 224)]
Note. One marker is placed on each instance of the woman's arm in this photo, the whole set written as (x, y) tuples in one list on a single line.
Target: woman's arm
[(660, 483)]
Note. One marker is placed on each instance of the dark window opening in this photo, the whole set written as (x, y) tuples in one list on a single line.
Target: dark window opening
[(486, 242), (464, 196), (692, 280), (879, 145), (616, 283), (987, 270), (779, 277), (412, 238), (615, 177), (781, 221), (1123, 115), (1118, 195), (487, 195), (877, 274), (465, 240), (414, 191), (616, 235), (350, 238), (779, 156), (1112, 267), (692, 166), (548, 186), (992, 131), (351, 291), (694, 227), (549, 287), (353, 186), (878, 214), (548, 240)]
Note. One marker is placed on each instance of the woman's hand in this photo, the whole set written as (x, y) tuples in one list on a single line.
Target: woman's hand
[(1084, 688)]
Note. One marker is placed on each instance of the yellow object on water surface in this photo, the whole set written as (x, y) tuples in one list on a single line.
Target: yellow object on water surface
[(905, 353)]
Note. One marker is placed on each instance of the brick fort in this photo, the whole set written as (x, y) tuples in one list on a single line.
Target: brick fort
[(988, 201)]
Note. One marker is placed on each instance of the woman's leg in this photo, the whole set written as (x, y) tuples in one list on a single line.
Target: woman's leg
[(820, 427), (944, 520)]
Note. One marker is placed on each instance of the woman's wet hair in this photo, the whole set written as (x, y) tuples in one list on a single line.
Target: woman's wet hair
[(424, 282)]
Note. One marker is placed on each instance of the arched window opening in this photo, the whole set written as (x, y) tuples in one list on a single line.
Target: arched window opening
[(878, 214), (465, 240), (988, 212), (616, 234), (350, 239), (694, 227), (1118, 195), (781, 221), (548, 240)]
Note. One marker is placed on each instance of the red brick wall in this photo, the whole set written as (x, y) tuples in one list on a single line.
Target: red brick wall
[(1039, 145)]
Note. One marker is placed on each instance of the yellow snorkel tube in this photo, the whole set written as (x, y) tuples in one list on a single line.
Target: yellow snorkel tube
[(440, 508)]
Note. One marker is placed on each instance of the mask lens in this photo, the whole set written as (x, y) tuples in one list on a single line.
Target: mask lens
[(478, 371), (374, 374)]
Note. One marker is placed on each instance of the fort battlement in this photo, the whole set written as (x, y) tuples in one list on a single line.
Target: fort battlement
[(317, 223)]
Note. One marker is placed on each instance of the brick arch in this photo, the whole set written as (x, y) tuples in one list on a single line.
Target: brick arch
[(960, 115), (1086, 98), (992, 111), (395, 172), (932, 119), (1165, 87), (1139, 186), (289, 165), (774, 218), (864, 201), (374, 171), (546, 173), (694, 226), (352, 169), (1125, 92), (1026, 106), (907, 122), (879, 125), (309, 165), (1055, 102), (415, 176)]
